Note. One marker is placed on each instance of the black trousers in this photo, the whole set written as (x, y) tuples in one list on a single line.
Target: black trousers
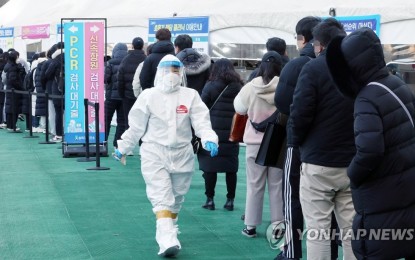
[(293, 214), (58, 118), (11, 121), (210, 184), (112, 106), (2, 101), (127, 104)]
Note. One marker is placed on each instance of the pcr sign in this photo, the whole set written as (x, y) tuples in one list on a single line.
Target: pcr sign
[(84, 78)]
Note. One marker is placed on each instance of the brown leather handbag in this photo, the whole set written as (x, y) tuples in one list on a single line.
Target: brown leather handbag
[(238, 128)]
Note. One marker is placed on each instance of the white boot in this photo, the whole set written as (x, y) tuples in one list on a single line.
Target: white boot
[(166, 237)]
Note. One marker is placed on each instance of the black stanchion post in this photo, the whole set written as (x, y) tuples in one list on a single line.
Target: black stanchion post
[(87, 158), (47, 121), (30, 118), (97, 152), (14, 113)]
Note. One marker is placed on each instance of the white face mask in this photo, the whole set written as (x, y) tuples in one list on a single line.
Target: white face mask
[(170, 81)]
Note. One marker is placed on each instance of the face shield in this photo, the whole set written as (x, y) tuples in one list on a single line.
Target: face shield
[(169, 74)]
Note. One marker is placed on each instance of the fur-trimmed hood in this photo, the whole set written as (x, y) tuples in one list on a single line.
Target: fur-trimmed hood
[(34, 65), (193, 61), (57, 52), (356, 60)]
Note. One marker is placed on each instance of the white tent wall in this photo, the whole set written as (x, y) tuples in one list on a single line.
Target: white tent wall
[(125, 34), (398, 32), (232, 21)]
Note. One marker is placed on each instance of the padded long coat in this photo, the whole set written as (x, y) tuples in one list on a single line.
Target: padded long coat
[(382, 173), (221, 118)]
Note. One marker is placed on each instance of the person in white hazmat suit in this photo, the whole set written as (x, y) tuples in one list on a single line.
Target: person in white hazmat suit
[(162, 117)]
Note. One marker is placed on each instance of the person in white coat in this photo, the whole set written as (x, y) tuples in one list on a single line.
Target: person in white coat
[(162, 117)]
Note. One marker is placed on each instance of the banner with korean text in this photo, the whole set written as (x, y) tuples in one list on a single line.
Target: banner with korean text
[(352, 23), (6, 38), (84, 78), (41, 31), (196, 27)]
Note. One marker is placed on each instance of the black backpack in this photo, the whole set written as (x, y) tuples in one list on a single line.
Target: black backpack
[(28, 81), (61, 81)]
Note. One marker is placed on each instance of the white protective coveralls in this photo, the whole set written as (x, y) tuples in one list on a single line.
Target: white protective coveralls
[(162, 118)]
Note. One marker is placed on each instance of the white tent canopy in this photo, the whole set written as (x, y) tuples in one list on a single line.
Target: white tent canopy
[(232, 21)]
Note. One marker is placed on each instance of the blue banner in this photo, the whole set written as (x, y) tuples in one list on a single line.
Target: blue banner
[(352, 23), (196, 27), (74, 83), (7, 32), (180, 25)]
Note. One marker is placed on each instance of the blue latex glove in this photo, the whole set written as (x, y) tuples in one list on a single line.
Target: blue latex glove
[(117, 155), (212, 147)]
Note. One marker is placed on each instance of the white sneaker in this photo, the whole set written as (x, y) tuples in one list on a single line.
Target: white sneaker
[(130, 153), (37, 130), (56, 139), (3, 126)]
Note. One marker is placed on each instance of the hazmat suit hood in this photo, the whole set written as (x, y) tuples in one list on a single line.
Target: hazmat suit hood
[(169, 75)]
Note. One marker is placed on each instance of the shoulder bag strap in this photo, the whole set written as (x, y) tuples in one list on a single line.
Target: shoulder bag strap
[(396, 97), (218, 97)]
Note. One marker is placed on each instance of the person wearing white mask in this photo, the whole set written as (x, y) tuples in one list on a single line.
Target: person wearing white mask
[(162, 117)]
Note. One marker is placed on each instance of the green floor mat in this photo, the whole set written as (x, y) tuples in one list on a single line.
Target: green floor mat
[(53, 208)]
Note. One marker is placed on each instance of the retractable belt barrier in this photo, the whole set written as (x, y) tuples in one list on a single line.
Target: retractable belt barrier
[(97, 152), (30, 93), (61, 97)]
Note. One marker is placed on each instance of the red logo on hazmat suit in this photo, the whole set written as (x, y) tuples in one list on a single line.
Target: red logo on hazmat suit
[(182, 109)]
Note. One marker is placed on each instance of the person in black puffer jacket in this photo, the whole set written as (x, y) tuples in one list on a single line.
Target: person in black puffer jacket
[(47, 85), (382, 172), (321, 126), (161, 48), (197, 65), (40, 107), (13, 76), (293, 215), (3, 62), (113, 102), (53, 74), (221, 113), (126, 72)]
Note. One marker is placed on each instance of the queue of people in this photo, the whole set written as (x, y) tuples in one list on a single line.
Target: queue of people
[(316, 181), (41, 76), (349, 134)]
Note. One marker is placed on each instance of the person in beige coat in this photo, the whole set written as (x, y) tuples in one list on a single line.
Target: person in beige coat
[(256, 99)]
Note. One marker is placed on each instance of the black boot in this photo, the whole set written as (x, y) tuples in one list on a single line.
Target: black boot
[(210, 204), (229, 204)]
